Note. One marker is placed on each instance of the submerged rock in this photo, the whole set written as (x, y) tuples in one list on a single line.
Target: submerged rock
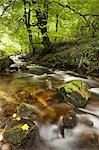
[(9, 109), (34, 94), (75, 92), (19, 132), (17, 85)]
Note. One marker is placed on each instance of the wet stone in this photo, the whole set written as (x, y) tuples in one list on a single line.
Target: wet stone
[(19, 132), (25, 110), (38, 70), (69, 120), (76, 99), (75, 92)]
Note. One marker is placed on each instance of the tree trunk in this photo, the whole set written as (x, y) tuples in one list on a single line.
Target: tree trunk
[(28, 26), (42, 24), (31, 46), (56, 25)]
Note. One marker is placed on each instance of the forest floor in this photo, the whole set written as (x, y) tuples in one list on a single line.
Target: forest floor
[(81, 56)]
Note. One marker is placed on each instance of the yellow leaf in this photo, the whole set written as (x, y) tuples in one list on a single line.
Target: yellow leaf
[(18, 118), (25, 127), (14, 115)]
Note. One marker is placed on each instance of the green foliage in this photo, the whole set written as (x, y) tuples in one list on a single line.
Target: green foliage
[(72, 23), (87, 56)]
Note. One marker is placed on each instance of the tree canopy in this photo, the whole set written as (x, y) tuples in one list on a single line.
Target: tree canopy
[(27, 24)]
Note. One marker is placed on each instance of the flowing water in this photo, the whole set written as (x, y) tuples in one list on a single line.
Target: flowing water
[(85, 136)]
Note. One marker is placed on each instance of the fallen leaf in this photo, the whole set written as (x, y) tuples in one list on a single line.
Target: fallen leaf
[(25, 127)]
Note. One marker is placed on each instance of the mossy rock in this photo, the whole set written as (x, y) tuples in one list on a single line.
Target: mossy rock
[(75, 92), (19, 132), (25, 110)]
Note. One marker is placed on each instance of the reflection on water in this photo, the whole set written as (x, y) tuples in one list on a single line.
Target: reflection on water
[(85, 136)]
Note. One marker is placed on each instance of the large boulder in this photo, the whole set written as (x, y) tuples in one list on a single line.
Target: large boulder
[(75, 92)]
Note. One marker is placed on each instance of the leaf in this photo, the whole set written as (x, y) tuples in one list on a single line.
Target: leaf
[(25, 127)]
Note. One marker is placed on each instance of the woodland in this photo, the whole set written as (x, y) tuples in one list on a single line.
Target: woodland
[(49, 74), (60, 34)]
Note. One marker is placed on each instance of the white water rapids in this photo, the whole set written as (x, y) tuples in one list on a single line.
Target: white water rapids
[(85, 136)]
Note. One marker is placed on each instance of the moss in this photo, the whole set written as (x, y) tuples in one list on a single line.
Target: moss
[(75, 92), (14, 133), (24, 110), (76, 86)]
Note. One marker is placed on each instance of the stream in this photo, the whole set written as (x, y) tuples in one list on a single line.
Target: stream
[(84, 136)]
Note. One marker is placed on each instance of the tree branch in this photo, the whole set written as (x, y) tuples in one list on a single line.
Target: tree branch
[(34, 24), (5, 8), (84, 16), (71, 8), (75, 11), (25, 13), (21, 19)]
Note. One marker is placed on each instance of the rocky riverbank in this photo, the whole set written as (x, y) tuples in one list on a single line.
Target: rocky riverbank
[(81, 56)]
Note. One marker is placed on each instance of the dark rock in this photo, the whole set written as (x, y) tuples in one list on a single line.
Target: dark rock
[(69, 120), (5, 63), (76, 99)]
